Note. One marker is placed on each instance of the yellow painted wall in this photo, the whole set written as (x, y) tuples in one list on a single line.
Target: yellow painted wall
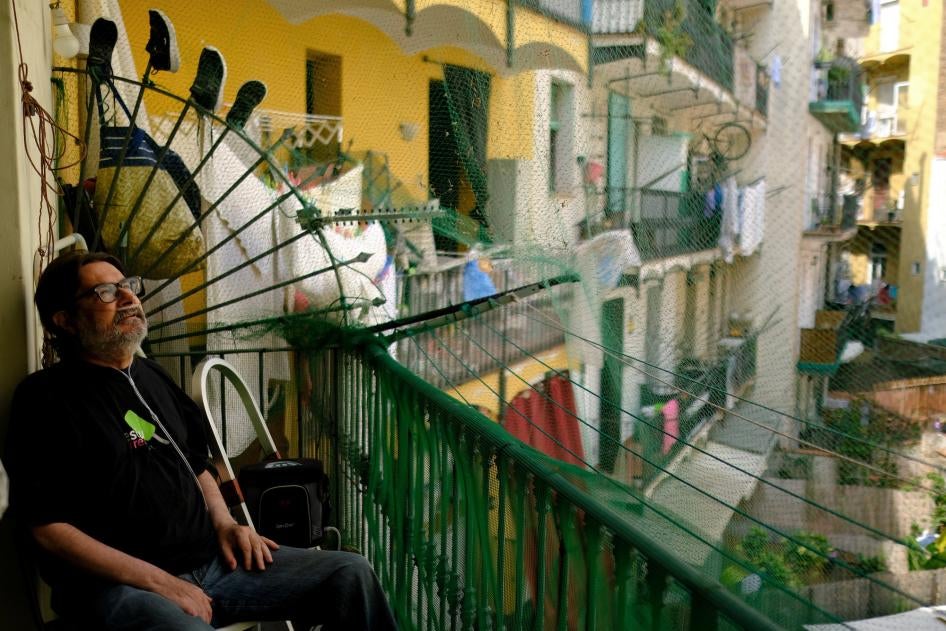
[(531, 27), (381, 86), (910, 12), (482, 392), (922, 26)]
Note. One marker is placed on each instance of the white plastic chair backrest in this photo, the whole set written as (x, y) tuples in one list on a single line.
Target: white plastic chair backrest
[(201, 382)]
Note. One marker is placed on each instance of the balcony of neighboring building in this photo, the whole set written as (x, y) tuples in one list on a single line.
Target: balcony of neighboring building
[(663, 223), (874, 168), (663, 50), (832, 220), (837, 96), (686, 27), (881, 209), (881, 125), (821, 348)]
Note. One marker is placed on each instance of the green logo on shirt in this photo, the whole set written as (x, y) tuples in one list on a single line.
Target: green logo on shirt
[(141, 430)]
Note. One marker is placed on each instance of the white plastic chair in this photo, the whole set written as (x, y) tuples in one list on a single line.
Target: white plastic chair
[(201, 384), (228, 484)]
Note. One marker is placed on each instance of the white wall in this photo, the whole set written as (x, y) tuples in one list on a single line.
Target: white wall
[(21, 188), (549, 220), (769, 281), (933, 323), (811, 271)]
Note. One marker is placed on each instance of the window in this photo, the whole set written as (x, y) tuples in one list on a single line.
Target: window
[(323, 97), (892, 100), (323, 84), (889, 25), (562, 169), (878, 263)]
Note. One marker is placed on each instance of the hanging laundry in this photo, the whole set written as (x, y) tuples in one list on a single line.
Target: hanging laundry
[(600, 263), (775, 71), (307, 254), (713, 202), (544, 417), (753, 218), (477, 283), (386, 282), (729, 230), (671, 427)]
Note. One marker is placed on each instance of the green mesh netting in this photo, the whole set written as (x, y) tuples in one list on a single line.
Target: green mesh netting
[(607, 314)]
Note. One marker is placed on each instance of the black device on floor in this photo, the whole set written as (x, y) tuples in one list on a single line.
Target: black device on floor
[(288, 500)]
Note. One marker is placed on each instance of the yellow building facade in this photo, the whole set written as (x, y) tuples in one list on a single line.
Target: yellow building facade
[(382, 74), (893, 155)]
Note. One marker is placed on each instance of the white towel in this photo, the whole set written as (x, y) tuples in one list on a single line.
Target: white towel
[(753, 218), (730, 226), (600, 263), (775, 70)]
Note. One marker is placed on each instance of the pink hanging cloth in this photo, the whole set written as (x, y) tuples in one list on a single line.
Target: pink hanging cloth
[(671, 414)]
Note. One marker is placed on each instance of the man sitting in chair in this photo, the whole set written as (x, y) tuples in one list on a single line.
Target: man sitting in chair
[(108, 461)]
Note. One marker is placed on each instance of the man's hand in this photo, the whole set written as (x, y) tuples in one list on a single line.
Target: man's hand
[(255, 549), (187, 596)]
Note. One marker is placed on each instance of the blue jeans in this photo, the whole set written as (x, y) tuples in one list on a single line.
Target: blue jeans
[(338, 590)]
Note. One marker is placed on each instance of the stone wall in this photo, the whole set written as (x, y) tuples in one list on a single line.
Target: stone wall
[(891, 511), (864, 598)]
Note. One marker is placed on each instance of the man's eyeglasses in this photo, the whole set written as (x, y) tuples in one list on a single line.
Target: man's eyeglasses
[(108, 292)]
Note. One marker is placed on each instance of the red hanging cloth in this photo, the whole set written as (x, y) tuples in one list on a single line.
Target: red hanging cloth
[(545, 418)]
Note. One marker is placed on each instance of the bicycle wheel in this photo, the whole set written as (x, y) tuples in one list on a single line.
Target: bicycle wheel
[(732, 141)]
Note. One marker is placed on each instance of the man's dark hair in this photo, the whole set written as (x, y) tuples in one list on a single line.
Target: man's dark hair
[(57, 289)]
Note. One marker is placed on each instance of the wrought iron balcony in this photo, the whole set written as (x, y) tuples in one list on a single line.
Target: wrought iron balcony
[(706, 385), (698, 38), (668, 223), (833, 220), (575, 12), (838, 95), (710, 48), (486, 343)]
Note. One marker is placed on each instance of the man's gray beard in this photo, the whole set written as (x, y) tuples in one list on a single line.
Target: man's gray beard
[(114, 342)]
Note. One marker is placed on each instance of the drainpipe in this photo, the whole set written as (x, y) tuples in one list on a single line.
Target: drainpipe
[(510, 31), (410, 12), (835, 178)]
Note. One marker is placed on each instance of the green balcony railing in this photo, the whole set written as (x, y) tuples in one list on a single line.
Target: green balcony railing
[(839, 94), (469, 528)]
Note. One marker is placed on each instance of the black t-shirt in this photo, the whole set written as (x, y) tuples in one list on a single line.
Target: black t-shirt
[(85, 449)]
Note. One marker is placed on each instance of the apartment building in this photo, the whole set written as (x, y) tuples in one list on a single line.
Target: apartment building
[(892, 163)]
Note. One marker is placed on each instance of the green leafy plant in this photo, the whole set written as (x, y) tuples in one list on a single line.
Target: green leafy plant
[(860, 432), (933, 556), (810, 555), (668, 30), (800, 561), (870, 564)]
